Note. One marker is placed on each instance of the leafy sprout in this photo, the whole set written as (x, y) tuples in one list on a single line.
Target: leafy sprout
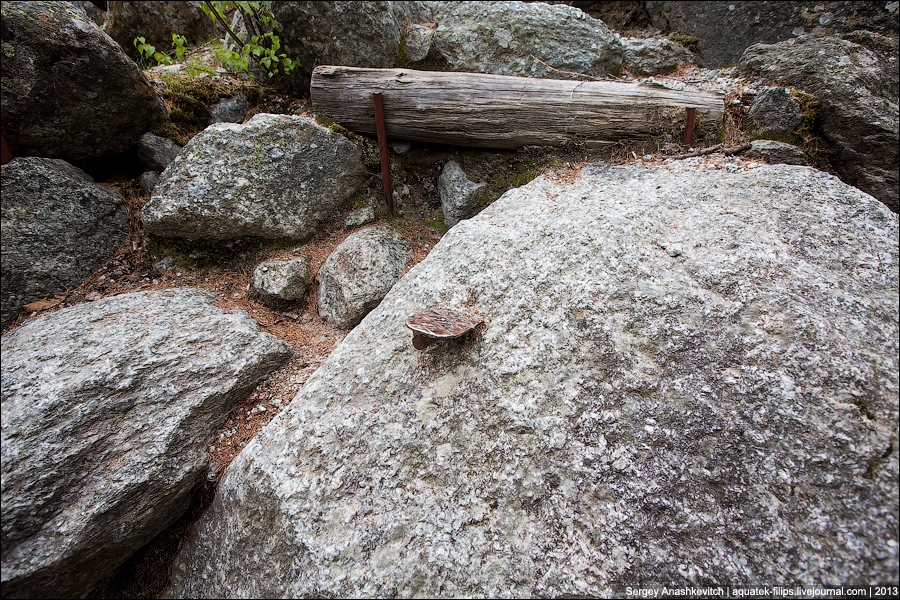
[(260, 44)]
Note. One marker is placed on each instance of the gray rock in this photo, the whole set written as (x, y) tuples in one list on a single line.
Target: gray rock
[(623, 416), (69, 91), (282, 279), (776, 152), (774, 111), (357, 34), (58, 226), (525, 39), (360, 217), (155, 22), (400, 147), (165, 264), (418, 39), (149, 180), (857, 87), (96, 15), (108, 407), (358, 273), (157, 152), (276, 176), (655, 56), (725, 29), (458, 195), (229, 110)]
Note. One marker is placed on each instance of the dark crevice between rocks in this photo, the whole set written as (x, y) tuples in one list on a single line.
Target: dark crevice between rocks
[(115, 167), (878, 462), (864, 410), (147, 573)]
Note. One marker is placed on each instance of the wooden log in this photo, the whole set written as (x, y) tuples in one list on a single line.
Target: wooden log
[(497, 111)]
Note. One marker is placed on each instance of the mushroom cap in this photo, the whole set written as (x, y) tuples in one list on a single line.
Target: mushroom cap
[(444, 322)]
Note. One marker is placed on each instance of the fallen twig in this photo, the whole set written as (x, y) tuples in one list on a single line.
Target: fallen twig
[(737, 149), (703, 152), (713, 149)]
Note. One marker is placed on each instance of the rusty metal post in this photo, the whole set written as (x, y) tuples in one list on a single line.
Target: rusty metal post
[(378, 101), (689, 125)]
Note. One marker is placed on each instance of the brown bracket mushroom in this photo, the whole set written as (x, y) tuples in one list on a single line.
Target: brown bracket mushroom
[(442, 323)]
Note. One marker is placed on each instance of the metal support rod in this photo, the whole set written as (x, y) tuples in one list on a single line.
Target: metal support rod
[(380, 128), (689, 125)]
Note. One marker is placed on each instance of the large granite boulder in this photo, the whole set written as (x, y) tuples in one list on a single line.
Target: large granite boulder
[(525, 39), (723, 30), (358, 273), (857, 87), (69, 91), (156, 22), (356, 34), (58, 226), (276, 176), (685, 376), (108, 407)]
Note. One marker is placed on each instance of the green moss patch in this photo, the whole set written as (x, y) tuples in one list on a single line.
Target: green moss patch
[(188, 99), (688, 41)]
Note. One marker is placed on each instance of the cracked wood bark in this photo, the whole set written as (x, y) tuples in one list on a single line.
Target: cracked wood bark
[(497, 111)]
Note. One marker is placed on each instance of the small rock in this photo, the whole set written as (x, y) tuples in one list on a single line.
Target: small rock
[(148, 181), (164, 264), (358, 274), (229, 110), (360, 217), (281, 279), (400, 147), (654, 56), (418, 41), (157, 152), (775, 111), (776, 152), (458, 195)]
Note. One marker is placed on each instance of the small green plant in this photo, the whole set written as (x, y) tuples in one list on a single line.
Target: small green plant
[(149, 53), (260, 43)]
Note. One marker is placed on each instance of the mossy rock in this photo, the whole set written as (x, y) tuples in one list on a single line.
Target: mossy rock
[(188, 99), (688, 41)]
